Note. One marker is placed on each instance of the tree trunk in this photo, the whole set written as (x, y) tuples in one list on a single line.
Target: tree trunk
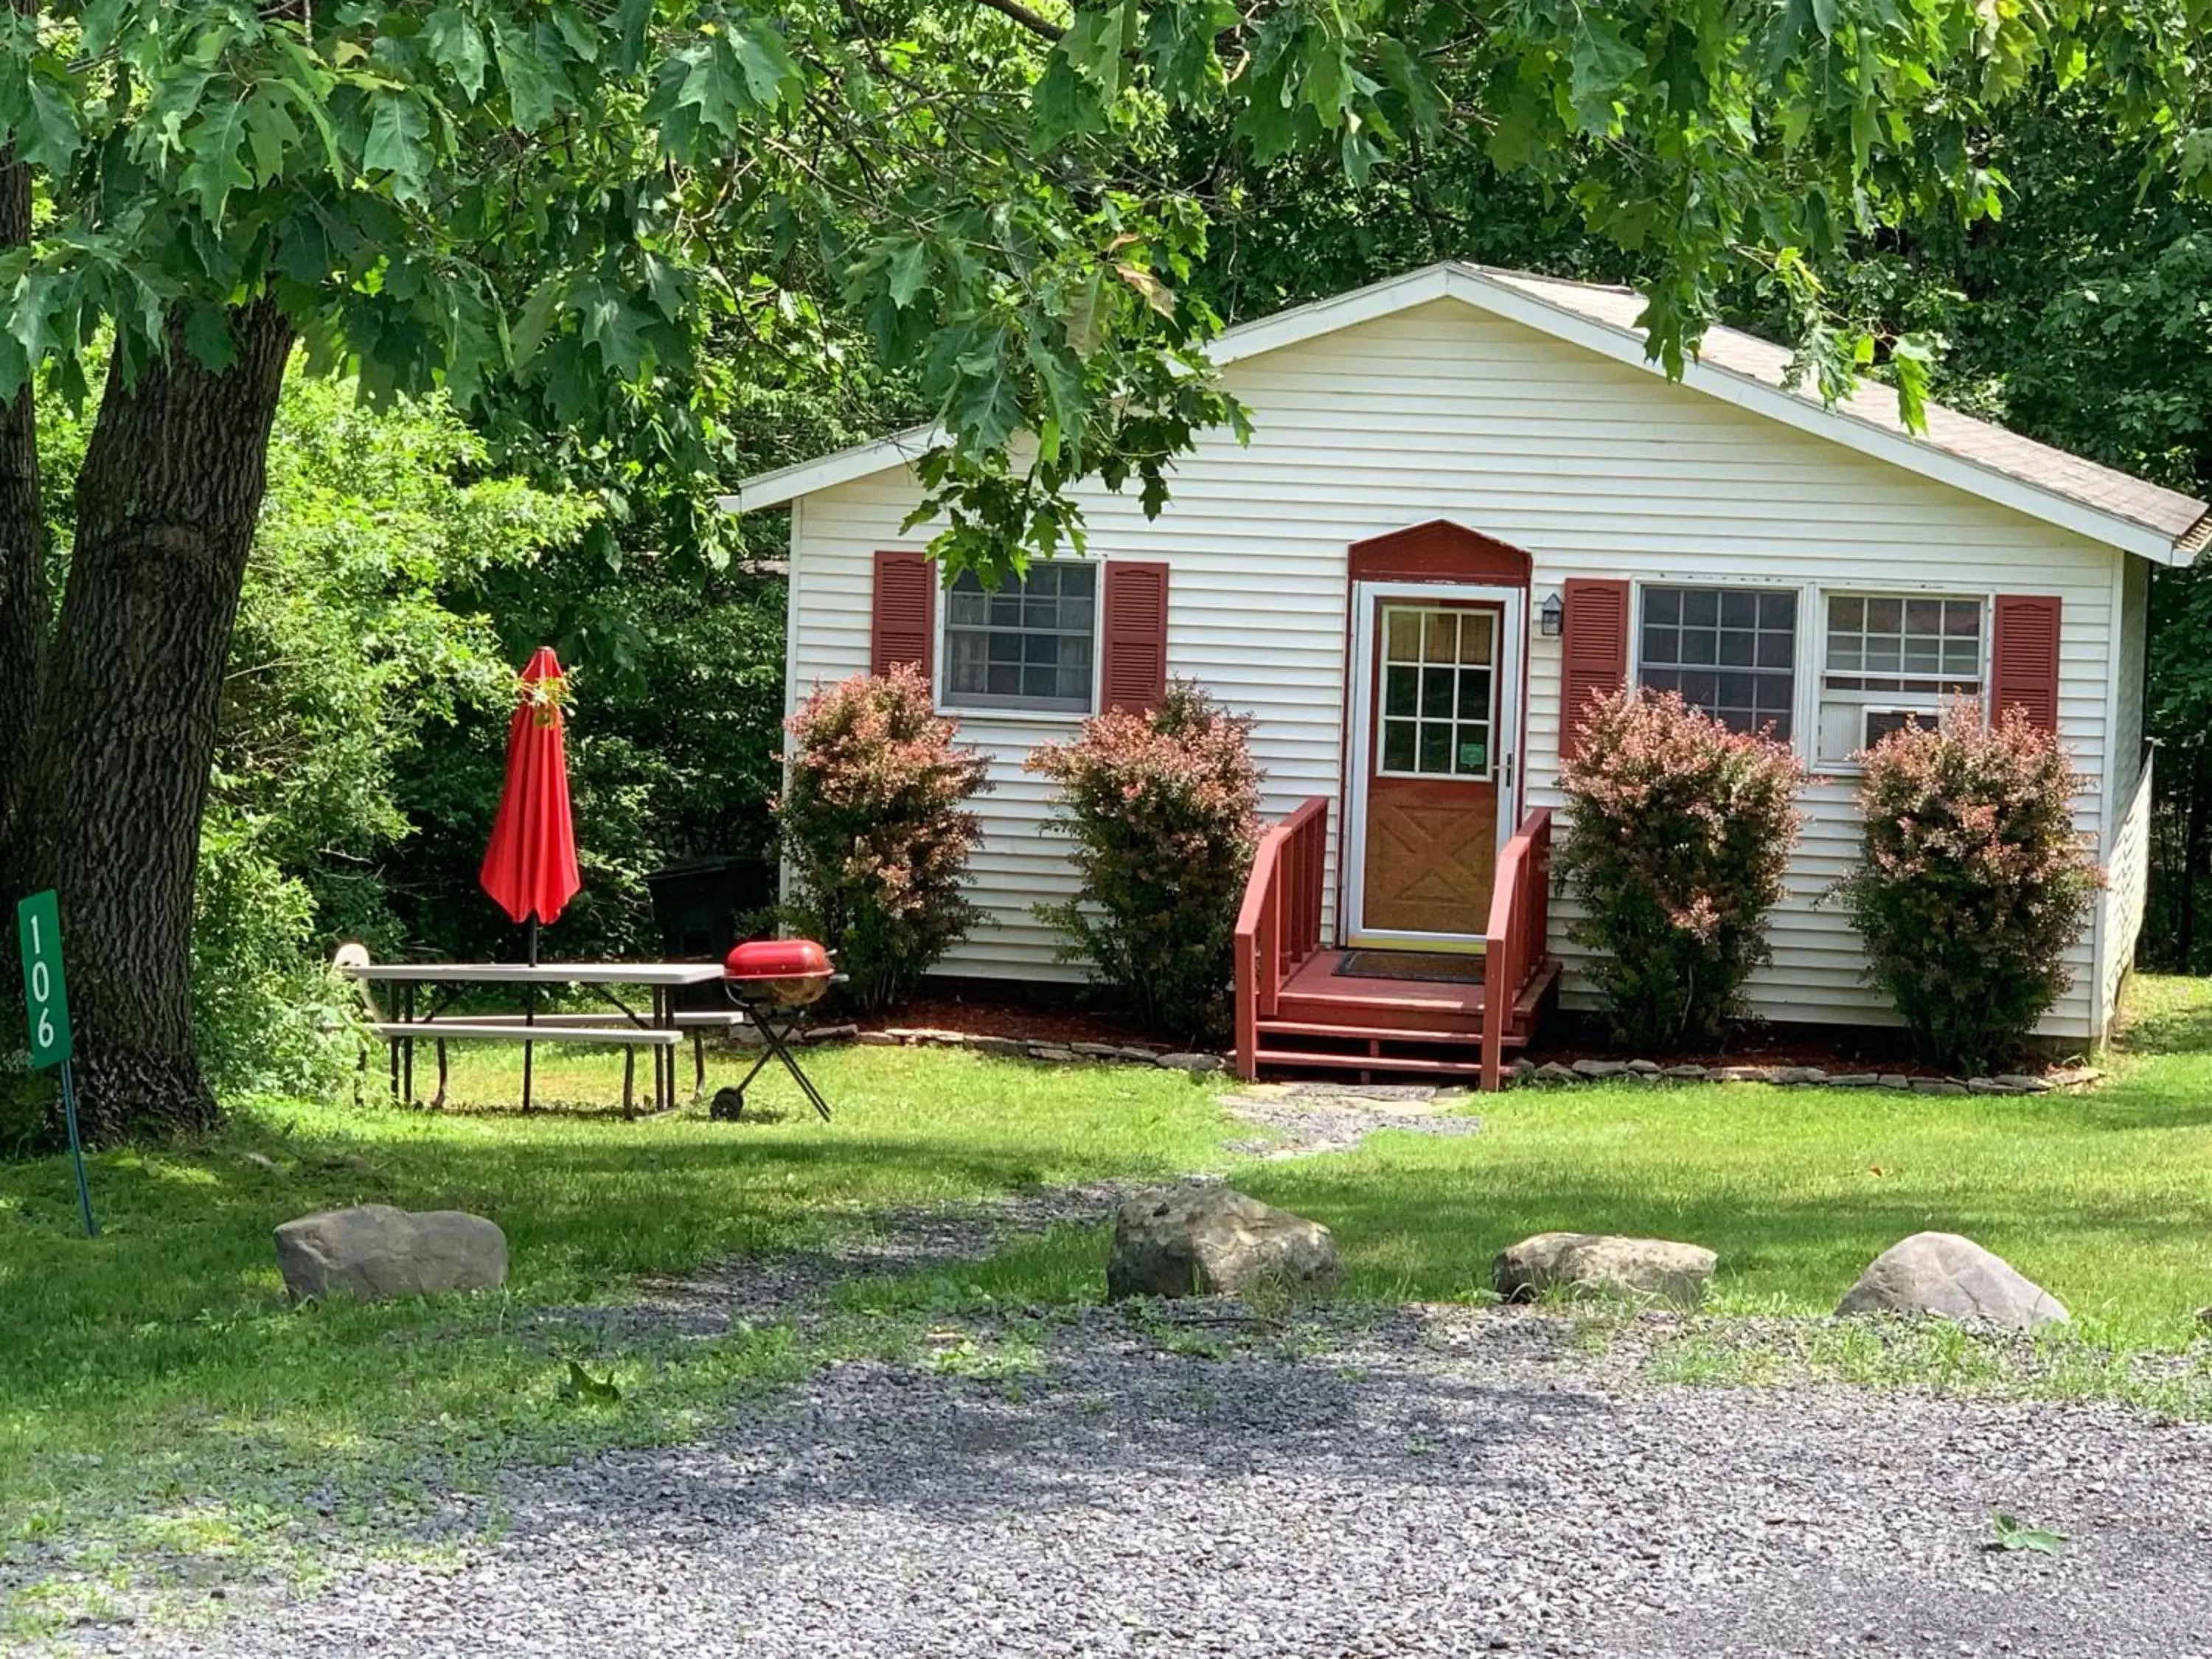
[(166, 503), (23, 603)]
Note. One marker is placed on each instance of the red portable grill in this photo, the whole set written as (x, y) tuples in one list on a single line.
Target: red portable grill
[(772, 980)]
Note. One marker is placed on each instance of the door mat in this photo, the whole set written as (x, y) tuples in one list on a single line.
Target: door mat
[(1442, 967)]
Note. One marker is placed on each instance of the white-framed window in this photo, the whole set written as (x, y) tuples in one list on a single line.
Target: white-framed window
[(1731, 651), (1033, 643), (1439, 669), (1888, 658)]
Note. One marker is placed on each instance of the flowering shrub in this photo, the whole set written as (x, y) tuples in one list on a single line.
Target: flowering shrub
[(1972, 883), (1677, 833), (874, 823), (1164, 811)]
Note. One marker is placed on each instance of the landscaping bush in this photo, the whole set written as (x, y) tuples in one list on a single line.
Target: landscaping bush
[(1677, 833), (1164, 811), (875, 825), (1973, 882)]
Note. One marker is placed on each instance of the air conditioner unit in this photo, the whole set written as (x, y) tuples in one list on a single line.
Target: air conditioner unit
[(1880, 722)]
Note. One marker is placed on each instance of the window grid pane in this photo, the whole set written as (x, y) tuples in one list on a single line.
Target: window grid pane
[(1437, 689), (1026, 646), (1918, 647), (1731, 652)]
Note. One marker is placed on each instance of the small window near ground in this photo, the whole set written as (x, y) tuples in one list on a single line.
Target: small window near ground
[(1027, 645), (1731, 651), (1890, 660)]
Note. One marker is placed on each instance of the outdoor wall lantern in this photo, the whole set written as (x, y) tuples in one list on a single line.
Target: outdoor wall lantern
[(1553, 616)]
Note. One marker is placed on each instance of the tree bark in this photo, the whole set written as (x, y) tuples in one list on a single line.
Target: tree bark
[(166, 503), (24, 615)]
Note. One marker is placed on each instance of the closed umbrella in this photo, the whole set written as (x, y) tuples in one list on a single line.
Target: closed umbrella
[(530, 868)]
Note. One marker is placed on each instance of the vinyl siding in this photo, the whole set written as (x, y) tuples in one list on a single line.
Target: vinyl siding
[(1596, 468)]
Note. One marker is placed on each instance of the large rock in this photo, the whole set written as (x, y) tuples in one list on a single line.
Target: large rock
[(1602, 1264), (1943, 1273), (374, 1250), (1212, 1240)]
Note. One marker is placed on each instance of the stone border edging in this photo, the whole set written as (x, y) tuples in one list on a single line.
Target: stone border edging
[(1801, 1077), (1191, 1064)]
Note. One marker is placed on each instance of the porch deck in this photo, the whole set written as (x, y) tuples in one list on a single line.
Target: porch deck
[(1296, 1010), (1332, 1021)]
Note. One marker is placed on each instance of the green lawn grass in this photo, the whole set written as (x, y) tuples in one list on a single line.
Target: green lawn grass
[(163, 1408)]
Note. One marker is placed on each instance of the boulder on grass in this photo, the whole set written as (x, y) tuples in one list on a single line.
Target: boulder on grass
[(372, 1251), (1952, 1277), (1602, 1264), (1214, 1241)]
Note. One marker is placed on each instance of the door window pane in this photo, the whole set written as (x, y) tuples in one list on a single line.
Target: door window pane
[(1438, 684), (1398, 745)]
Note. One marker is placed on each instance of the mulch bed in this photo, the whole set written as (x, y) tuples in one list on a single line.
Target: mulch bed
[(981, 1018), (1845, 1050)]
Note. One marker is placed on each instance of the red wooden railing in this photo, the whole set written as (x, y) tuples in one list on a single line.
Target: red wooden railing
[(1279, 925), (1519, 914)]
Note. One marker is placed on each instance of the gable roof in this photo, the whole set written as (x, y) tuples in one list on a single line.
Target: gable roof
[(1978, 456)]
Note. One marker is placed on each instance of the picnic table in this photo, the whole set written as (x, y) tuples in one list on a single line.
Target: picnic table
[(659, 1027)]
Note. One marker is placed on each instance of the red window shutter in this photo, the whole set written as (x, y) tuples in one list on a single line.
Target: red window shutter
[(1593, 651), (905, 611), (1136, 668), (2024, 658)]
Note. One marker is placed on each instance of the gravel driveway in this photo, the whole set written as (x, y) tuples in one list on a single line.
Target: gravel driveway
[(1437, 1481)]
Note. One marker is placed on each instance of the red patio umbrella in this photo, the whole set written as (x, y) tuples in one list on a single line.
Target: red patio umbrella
[(529, 867)]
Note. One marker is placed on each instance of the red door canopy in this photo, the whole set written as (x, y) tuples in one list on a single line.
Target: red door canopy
[(530, 868)]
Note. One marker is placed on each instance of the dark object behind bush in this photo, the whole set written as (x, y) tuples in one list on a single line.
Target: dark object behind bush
[(1679, 831), (1972, 882), (876, 826), (1164, 811)]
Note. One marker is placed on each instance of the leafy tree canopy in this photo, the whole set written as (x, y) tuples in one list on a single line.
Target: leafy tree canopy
[(564, 208)]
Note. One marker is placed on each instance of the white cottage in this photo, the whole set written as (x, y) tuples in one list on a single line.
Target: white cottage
[(1469, 501)]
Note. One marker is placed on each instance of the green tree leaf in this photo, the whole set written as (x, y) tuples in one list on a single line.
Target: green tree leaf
[(1603, 65), (908, 271), (2012, 1534), (52, 138), (272, 134), (457, 46), (216, 144), (531, 95), (207, 336), (399, 135), (770, 75)]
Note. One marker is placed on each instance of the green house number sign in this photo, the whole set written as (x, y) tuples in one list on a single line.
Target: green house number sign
[(39, 924), (38, 921)]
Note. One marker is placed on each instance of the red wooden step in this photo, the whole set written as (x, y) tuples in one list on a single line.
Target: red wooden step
[(1362, 1033), (1380, 1018), (1296, 1058)]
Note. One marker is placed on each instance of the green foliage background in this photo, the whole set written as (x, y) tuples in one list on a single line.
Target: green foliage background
[(397, 577)]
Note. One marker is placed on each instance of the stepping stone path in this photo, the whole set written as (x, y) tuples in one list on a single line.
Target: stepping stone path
[(1303, 1119)]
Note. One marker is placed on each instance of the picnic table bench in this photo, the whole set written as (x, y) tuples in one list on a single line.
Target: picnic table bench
[(659, 1030)]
